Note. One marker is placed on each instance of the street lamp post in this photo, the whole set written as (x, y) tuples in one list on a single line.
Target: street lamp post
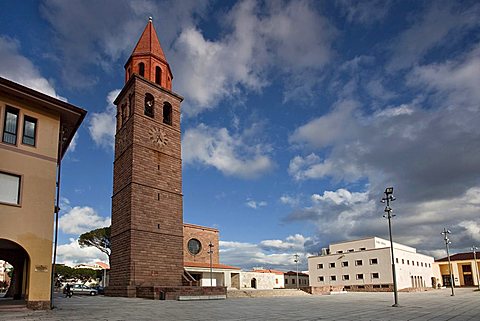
[(296, 262), (447, 241), (388, 210), (474, 249), (210, 252)]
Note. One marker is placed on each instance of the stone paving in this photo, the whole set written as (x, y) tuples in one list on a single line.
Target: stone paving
[(435, 305)]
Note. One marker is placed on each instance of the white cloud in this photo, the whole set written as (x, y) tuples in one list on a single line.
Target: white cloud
[(261, 39), (289, 200), (330, 128), (88, 35), (79, 220), (72, 254), (293, 243), (364, 12), (440, 23), (102, 125), (276, 254), (455, 81), (472, 229), (313, 167), (395, 111), (340, 196), (229, 153), (338, 215), (377, 90), (255, 204), (20, 69)]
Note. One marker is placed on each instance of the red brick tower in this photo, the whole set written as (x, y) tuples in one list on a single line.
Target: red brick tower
[(147, 214)]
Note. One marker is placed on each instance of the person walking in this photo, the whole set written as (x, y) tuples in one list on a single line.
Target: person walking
[(68, 291)]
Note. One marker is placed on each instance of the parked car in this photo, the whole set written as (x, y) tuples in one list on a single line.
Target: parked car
[(83, 289), (100, 289)]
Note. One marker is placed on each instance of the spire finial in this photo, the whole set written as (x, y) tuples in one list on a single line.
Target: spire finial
[(150, 19)]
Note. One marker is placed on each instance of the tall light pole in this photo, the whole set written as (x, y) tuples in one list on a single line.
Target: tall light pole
[(210, 252), (447, 241), (296, 262), (388, 210), (474, 249)]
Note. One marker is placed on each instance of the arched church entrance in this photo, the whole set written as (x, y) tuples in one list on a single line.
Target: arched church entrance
[(18, 258), (253, 284)]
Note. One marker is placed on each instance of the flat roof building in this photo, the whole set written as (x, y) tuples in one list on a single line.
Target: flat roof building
[(36, 131), (365, 265)]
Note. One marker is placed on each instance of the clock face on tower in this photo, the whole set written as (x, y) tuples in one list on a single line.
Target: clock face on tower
[(158, 137)]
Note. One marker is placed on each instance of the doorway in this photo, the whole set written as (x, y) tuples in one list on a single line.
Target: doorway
[(253, 283), (467, 280)]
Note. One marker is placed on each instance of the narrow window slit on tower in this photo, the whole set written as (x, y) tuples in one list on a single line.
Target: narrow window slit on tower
[(158, 196), (158, 75), (167, 113), (158, 166), (141, 69)]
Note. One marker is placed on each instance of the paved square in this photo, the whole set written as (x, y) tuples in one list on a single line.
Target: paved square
[(432, 305)]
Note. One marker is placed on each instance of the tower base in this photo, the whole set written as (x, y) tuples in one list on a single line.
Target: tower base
[(164, 292)]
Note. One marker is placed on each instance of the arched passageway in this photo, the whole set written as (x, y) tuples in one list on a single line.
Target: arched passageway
[(16, 255)]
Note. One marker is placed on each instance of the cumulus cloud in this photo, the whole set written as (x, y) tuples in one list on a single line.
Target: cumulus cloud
[(289, 200), (89, 34), (72, 254), (18, 68), (255, 204), (261, 39), (275, 254), (442, 23), (230, 153), (418, 137), (102, 125), (258, 38), (427, 148), (330, 128), (454, 82), (79, 220), (337, 214)]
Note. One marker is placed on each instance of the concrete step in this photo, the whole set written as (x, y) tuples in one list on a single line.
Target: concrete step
[(253, 293), (201, 297)]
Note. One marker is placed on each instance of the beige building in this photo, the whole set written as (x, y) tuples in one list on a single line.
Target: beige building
[(464, 270), (365, 265), (257, 280), (36, 131), (279, 279), (291, 280)]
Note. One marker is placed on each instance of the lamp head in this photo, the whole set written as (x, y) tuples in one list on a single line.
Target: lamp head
[(389, 190)]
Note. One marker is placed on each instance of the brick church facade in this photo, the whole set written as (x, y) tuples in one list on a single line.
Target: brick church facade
[(147, 238)]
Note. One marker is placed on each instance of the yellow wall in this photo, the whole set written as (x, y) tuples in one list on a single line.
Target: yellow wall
[(31, 223)]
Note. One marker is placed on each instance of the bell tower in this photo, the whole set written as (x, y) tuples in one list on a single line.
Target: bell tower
[(147, 208)]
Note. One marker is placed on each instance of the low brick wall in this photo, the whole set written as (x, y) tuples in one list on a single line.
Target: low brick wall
[(371, 288), (321, 290), (172, 293), (327, 289)]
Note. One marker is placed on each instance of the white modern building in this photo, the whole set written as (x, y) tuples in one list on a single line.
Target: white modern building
[(365, 265)]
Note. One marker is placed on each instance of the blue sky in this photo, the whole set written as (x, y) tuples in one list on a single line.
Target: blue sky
[(296, 116)]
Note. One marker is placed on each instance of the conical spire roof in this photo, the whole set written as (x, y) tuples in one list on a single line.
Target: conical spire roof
[(149, 43)]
